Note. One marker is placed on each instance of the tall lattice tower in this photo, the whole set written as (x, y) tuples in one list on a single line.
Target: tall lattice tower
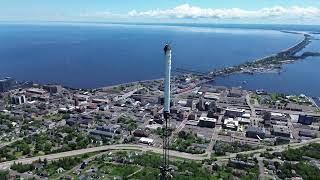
[(165, 168)]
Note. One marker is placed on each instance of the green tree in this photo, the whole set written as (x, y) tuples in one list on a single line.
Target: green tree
[(4, 175), (132, 126), (22, 168)]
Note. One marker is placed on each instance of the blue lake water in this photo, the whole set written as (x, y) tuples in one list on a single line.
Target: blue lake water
[(96, 55), (302, 77)]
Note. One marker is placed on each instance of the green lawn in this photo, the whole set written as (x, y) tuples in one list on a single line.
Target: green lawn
[(121, 170), (147, 174), (18, 154)]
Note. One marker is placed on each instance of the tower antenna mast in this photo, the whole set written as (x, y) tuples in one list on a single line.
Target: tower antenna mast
[(165, 169)]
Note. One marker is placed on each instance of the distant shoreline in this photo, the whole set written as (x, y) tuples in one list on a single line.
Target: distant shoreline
[(110, 85), (279, 27), (227, 71)]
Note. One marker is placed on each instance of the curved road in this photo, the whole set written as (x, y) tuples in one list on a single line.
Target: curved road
[(197, 157), (49, 157)]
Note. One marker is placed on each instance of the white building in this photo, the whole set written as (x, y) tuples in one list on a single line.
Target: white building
[(212, 96), (234, 112), (18, 99), (243, 120), (231, 123), (246, 115), (146, 141)]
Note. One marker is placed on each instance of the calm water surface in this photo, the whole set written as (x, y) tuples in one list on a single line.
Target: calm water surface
[(90, 56)]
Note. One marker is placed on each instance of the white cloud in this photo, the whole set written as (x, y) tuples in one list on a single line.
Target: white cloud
[(101, 14), (187, 11)]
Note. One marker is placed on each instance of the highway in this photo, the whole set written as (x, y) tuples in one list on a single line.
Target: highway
[(50, 157), (196, 157)]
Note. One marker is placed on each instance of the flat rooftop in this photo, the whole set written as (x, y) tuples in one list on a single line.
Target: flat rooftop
[(210, 95), (235, 110), (207, 119)]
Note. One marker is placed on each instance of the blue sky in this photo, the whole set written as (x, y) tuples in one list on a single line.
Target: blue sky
[(229, 11)]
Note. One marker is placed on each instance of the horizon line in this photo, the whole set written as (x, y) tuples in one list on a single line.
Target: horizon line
[(149, 23)]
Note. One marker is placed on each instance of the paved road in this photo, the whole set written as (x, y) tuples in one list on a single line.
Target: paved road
[(178, 129), (215, 135), (254, 119), (198, 157), (6, 165), (279, 148), (294, 132), (261, 169)]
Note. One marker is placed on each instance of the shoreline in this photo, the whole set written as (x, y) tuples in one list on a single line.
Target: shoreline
[(258, 66), (268, 64)]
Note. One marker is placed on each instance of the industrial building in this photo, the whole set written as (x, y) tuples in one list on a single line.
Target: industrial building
[(306, 133), (282, 131), (234, 112), (235, 92), (207, 122), (256, 132), (306, 120), (53, 88)]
